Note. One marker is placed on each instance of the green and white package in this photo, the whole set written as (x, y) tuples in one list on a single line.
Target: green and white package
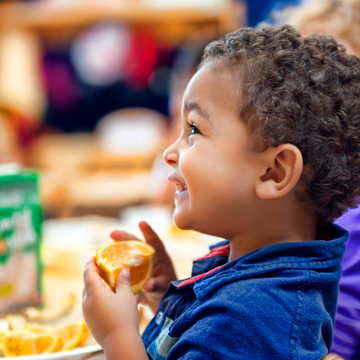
[(21, 267)]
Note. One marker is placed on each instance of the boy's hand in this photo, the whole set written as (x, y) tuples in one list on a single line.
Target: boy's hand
[(332, 356), (163, 272), (105, 312)]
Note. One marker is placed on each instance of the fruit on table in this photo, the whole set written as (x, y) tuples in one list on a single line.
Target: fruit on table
[(74, 335), (137, 256), (18, 343), (41, 339), (4, 328), (2, 334), (48, 343)]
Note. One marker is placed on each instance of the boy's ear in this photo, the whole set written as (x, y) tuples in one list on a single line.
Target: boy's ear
[(282, 171)]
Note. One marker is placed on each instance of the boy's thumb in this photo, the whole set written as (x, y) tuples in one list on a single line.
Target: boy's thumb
[(123, 279)]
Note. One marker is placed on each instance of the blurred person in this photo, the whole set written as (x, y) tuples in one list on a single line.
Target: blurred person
[(246, 168), (341, 19)]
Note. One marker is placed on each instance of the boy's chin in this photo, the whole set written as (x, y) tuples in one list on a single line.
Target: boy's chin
[(180, 222)]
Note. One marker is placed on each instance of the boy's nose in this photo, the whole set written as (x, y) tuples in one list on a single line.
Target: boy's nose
[(171, 156)]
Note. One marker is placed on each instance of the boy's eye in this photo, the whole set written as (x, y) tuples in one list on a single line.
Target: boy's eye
[(193, 129)]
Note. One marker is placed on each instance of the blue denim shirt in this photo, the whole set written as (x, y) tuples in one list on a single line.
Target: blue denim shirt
[(277, 302)]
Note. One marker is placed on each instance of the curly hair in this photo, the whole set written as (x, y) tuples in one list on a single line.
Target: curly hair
[(304, 91)]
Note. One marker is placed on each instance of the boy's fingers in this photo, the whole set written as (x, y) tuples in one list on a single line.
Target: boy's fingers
[(123, 280), (149, 286), (91, 275), (151, 237), (137, 297), (149, 234), (156, 285), (119, 235)]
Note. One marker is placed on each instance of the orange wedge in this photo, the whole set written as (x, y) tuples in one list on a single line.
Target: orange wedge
[(137, 256), (46, 338), (41, 339), (2, 334), (4, 328), (73, 335), (18, 343), (48, 343)]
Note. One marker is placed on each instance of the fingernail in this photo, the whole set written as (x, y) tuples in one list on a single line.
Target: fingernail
[(126, 273)]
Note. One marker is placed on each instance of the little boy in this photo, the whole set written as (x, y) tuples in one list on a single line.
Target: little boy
[(268, 157)]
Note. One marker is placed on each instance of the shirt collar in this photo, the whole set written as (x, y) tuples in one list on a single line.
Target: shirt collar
[(310, 255)]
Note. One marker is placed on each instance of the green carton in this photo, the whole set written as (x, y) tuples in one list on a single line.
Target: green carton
[(21, 267)]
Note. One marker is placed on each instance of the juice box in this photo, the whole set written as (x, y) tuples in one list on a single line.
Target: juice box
[(21, 267)]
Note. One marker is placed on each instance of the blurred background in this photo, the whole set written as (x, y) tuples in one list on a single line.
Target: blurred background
[(90, 96)]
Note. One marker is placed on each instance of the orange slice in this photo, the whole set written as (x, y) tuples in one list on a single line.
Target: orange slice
[(137, 256), (73, 335), (18, 343), (4, 328), (46, 338), (48, 343), (40, 339), (2, 335)]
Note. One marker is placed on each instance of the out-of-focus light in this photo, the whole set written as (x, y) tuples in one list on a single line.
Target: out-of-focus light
[(131, 134), (99, 54)]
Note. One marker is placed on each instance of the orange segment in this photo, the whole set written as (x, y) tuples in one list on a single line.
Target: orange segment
[(46, 343), (2, 334), (40, 339), (137, 256), (18, 343), (74, 335)]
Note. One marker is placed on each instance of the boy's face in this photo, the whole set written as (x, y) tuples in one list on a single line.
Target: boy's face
[(214, 167)]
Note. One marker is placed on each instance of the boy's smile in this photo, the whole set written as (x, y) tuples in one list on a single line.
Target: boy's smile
[(213, 166), (181, 188)]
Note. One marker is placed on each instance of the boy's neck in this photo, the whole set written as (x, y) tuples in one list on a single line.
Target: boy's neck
[(274, 226)]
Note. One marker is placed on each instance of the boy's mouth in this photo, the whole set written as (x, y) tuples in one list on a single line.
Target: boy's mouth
[(179, 186)]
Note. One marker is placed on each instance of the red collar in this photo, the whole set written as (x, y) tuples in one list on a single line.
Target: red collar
[(223, 250)]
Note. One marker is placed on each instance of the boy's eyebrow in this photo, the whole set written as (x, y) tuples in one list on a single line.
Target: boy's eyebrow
[(194, 106)]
